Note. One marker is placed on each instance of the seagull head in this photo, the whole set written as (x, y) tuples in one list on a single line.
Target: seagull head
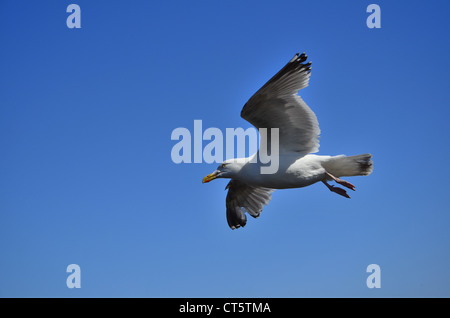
[(228, 169)]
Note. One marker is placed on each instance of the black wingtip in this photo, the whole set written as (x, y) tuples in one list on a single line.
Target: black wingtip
[(302, 58)]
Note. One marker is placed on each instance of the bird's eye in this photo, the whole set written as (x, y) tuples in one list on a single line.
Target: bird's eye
[(223, 165)]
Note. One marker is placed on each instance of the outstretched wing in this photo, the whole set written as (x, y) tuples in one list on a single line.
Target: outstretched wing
[(277, 105), (243, 198)]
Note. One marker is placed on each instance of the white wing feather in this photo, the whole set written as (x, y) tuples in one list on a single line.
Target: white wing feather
[(277, 105)]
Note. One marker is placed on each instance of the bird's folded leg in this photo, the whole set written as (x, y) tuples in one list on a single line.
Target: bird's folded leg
[(340, 181), (337, 190)]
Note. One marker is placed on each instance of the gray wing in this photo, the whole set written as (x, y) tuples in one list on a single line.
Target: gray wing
[(243, 198), (277, 105)]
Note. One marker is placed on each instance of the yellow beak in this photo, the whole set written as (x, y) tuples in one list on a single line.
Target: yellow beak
[(210, 177)]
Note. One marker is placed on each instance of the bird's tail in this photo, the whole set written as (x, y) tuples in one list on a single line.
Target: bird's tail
[(343, 166)]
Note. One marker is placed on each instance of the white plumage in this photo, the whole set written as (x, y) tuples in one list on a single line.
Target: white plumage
[(277, 105)]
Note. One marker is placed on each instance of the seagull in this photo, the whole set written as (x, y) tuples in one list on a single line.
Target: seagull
[(278, 105)]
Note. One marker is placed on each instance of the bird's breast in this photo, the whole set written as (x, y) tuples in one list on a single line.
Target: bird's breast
[(295, 173)]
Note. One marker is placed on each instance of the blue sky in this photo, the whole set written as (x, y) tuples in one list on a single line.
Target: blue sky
[(86, 175)]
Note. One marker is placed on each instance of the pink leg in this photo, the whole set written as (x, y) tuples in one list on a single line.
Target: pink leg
[(340, 181), (337, 190)]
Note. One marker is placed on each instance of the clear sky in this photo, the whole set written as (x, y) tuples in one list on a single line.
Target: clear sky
[(86, 175)]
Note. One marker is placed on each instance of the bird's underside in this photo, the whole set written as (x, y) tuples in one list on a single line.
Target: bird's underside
[(243, 198), (251, 196)]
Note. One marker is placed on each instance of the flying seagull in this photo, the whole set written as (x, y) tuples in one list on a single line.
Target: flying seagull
[(277, 105)]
